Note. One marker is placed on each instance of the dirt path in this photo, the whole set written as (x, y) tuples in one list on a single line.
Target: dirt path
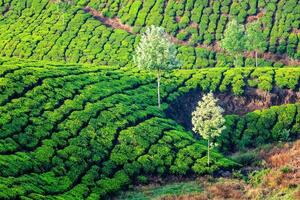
[(116, 23), (111, 22)]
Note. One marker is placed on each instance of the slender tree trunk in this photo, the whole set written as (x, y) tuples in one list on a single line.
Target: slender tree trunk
[(235, 62), (255, 58), (208, 152), (158, 89)]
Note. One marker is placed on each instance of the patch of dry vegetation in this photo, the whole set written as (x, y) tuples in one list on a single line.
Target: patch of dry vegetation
[(285, 171), (283, 178)]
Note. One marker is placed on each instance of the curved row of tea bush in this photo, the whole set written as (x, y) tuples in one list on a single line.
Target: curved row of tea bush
[(203, 21), (84, 132), (278, 123), (38, 30), (236, 80)]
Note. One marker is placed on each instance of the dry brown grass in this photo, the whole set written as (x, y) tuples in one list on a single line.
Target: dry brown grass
[(225, 189), (297, 194), (186, 197), (286, 156), (285, 170)]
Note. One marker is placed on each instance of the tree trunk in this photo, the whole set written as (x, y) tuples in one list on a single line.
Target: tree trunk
[(208, 152), (255, 58), (235, 62), (158, 89)]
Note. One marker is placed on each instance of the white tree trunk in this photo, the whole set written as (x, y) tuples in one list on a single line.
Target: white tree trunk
[(158, 89), (255, 58), (235, 62), (208, 152)]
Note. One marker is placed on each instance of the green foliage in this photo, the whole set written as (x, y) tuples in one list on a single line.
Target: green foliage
[(82, 131), (38, 30), (246, 159), (286, 169), (207, 120), (255, 39), (256, 177), (279, 123), (155, 51), (234, 40)]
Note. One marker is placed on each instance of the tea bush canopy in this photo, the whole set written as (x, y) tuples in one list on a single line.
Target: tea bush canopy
[(80, 81)]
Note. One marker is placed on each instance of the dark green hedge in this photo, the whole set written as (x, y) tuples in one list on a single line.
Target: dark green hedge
[(278, 123)]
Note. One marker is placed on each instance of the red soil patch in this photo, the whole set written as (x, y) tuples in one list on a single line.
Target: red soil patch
[(111, 22), (256, 17), (194, 25), (296, 31), (178, 19)]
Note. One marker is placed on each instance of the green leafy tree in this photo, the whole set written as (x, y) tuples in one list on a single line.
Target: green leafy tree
[(255, 39), (234, 40), (208, 121), (62, 5), (156, 52)]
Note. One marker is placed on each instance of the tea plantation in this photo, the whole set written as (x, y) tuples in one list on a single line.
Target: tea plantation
[(83, 132), (79, 119), (39, 29)]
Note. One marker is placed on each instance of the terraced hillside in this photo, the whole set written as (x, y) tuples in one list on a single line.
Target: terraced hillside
[(78, 119), (84, 132), (106, 32), (203, 22)]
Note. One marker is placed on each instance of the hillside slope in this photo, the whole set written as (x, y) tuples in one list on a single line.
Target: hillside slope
[(73, 131), (39, 29)]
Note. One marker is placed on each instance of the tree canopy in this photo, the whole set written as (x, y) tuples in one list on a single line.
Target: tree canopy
[(207, 119), (234, 40), (255, 39), (155, 51)]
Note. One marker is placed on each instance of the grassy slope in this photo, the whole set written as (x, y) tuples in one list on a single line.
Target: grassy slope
[(275, 177), (156, 192)]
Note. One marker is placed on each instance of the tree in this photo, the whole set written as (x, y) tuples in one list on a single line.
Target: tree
[(208, 121), (234, 40), (156, 52), (62, 4), (255, 39)]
